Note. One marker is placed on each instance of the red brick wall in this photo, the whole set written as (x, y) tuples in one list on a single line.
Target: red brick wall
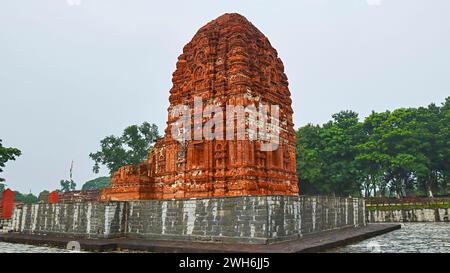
[(7, 203), (53, 197), (78, 196)]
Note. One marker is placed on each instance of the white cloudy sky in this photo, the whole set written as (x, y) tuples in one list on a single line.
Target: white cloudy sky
[(71, 74)]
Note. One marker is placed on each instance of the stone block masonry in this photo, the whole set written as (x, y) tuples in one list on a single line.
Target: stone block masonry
[(409, 215), (412, 209), (244, 219), (5, 225), (79, 220)]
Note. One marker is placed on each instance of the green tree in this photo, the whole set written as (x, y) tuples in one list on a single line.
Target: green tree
[(401, 144), (97, 183), (43, 196), (400, 153), (2, 188), (67, 185), (310, 165), (26, 198), (431, 146), (326, 154), (341, 137), (129, 149), (444, 132), (370, 159), (7, 154)]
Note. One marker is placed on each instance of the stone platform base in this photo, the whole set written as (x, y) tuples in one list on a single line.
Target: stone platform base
[(409, 215), (310, 243), (244, 219), (5, 225)]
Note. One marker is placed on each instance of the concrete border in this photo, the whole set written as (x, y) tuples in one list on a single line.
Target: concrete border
[(310, 243)]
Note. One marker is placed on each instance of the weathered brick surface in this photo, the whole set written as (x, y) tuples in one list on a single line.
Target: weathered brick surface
[(7, 204), (228, 62), (246, 219), (53, 197), (78, 196)]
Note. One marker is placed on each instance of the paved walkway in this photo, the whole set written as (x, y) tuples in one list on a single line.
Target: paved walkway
[(310, 243)]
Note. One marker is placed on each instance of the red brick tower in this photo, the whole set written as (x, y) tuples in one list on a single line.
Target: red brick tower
[(228, 62), (7, 204), (53, 197)]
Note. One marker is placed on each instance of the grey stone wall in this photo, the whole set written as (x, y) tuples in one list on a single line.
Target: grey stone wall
[(87, 220), (408, 215), (5, 225), (247, 219)]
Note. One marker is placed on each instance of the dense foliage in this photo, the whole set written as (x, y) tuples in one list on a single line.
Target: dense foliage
[(7, 154), (129, 149), (26, 198), (43, 196), (97, 183), (400, 153), (67, 185)]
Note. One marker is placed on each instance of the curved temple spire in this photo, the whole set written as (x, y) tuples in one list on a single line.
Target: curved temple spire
[(230, 64)]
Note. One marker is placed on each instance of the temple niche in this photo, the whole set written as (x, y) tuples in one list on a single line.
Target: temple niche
[(228, 62)]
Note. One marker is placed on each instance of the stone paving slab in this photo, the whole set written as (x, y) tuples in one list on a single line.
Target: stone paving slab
[(310, 243)]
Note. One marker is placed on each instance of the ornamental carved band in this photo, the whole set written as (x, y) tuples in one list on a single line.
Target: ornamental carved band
[(229, 63)]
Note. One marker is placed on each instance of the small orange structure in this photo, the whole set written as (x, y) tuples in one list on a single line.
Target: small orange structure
[(53, 197), (7, 203), (78, 196)]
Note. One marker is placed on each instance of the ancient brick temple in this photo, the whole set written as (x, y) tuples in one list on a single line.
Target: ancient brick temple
[(228, 62)]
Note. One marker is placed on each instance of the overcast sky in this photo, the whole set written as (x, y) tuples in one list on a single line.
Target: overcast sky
[(74, 71)]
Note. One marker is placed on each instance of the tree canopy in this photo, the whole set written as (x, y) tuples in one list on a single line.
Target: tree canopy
[(7, 154), (97, 183), (43, 196), (67, 185), (400, 153), (26, 198), (130, 148)]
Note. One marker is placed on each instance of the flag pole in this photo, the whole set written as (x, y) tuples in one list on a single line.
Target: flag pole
[(71, 168)]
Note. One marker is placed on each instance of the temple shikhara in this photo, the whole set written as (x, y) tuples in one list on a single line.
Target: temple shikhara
[(228, 62)]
